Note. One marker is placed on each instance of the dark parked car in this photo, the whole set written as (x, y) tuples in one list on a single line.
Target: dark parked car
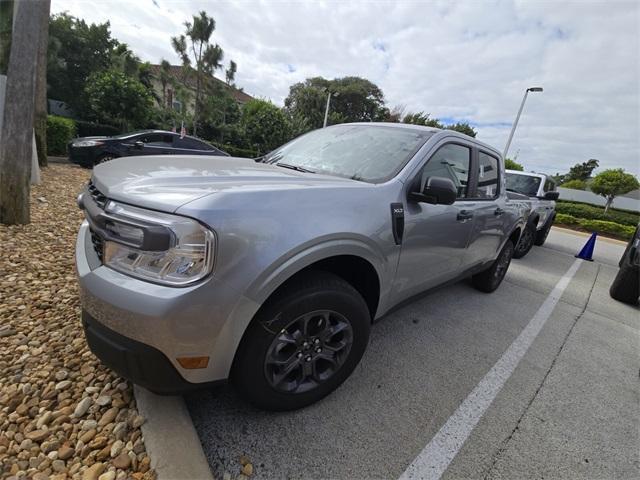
[(90, 151), (626, 286)]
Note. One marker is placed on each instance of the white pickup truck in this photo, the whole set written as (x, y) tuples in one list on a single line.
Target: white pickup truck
[(542, 194)]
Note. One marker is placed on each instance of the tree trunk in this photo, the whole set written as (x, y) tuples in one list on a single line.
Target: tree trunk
[(40, 123), (608, 204), (18, 115)]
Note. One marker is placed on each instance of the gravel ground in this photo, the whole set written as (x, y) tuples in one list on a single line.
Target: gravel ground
[(62, 414)]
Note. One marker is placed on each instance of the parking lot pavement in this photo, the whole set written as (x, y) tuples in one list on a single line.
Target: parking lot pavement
[(570, 407)]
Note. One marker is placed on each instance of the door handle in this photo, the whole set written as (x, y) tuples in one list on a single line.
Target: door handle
[(498, 211), (464, 215)]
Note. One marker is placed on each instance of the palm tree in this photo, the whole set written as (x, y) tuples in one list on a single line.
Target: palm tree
[(165, 78), (230, 74)]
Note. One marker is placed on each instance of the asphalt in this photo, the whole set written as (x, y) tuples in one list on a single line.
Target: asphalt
[(569, 410)]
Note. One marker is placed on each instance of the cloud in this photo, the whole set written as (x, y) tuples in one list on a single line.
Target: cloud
[(468, 61)]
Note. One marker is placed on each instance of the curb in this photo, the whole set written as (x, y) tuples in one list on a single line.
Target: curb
[(578, 233), (170, 438)]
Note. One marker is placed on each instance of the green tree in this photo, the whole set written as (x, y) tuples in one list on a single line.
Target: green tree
[(230, 74), (220, 116), (265, 126), (575, 184), (510, 164), (119, 99), (463, 127), (421, 118), (76, 51), (207, 57), (613, 182), (6, 22), (580, 171), (354, 99)]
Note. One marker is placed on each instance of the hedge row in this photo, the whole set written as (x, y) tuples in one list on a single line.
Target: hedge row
[(593, 212), (613, 229), (90, 129), (60, 131)]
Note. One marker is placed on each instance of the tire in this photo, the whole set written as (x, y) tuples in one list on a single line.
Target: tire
[(542, 235), (526, 241), (626, 285), (490, 279), (303, 343)]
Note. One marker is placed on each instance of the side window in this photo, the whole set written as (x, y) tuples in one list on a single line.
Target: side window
[(549, 185), (156, 140), (190, 143), (450, 161), (487, 176)]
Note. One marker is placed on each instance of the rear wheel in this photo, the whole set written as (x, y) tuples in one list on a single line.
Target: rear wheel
[(491, 278), (542, 235), (526, 241), (302, 344)]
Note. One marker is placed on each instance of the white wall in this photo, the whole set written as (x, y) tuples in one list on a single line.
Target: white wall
[(590, 197)]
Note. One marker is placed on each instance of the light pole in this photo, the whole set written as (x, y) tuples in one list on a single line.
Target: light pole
[(326, 111), (515, 123)]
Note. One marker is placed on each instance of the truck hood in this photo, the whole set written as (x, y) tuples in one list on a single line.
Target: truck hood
[(167, 182)]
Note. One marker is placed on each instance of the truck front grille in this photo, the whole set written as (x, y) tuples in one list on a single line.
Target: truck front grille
[(96, 195), (101, 200), (98, 244)]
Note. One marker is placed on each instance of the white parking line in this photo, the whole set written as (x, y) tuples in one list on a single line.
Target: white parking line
[(434, 459)]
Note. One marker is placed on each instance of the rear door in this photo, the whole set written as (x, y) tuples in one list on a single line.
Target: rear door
[(150, 144), (436, 236), (488, 208)]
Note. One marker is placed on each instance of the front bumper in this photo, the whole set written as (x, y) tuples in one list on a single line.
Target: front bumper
[(206, 319), (143, 365)]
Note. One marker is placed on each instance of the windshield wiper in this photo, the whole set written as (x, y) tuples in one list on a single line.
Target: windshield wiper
[(297, 168)]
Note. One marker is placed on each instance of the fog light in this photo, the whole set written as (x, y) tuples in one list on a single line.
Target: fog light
[(193, 362)]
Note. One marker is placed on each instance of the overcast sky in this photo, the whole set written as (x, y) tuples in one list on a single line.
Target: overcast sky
[(460, 61)]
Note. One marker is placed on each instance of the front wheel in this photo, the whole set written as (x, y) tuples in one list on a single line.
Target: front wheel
[(302, 344), (490, 279), (526, 241)]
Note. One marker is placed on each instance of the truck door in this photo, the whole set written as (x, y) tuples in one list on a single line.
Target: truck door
[(436, 236), (488, 210)]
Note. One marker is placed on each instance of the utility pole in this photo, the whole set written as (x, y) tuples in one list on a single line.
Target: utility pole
[(17, 126)]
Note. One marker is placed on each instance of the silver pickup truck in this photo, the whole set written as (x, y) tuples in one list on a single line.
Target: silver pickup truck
[(195, 270), (539, 192)]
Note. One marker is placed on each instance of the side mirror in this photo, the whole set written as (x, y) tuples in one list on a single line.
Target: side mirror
[(437, 191), (138, 144), (551, 195)]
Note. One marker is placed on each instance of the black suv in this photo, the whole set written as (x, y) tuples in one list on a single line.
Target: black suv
[(90, 151)]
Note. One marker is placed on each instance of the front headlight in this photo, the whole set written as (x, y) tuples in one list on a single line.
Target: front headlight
[(188, 259), (87, 143)]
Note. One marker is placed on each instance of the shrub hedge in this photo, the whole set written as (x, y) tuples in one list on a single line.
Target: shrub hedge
[(613, 229), (60, 131), (593, 212)]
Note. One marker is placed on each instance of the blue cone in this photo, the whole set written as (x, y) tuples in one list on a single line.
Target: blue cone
[(587, 251)]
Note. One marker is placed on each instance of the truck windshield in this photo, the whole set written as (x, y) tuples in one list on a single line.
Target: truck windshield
[(360, 152), (524, 184)]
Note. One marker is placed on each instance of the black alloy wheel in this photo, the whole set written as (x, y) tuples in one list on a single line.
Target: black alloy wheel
[(308, 351), (304, 342), (490, 279), (526, 241)]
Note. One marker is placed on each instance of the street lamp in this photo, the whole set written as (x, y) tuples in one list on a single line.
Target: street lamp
[(515, 123), (326, 112)]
